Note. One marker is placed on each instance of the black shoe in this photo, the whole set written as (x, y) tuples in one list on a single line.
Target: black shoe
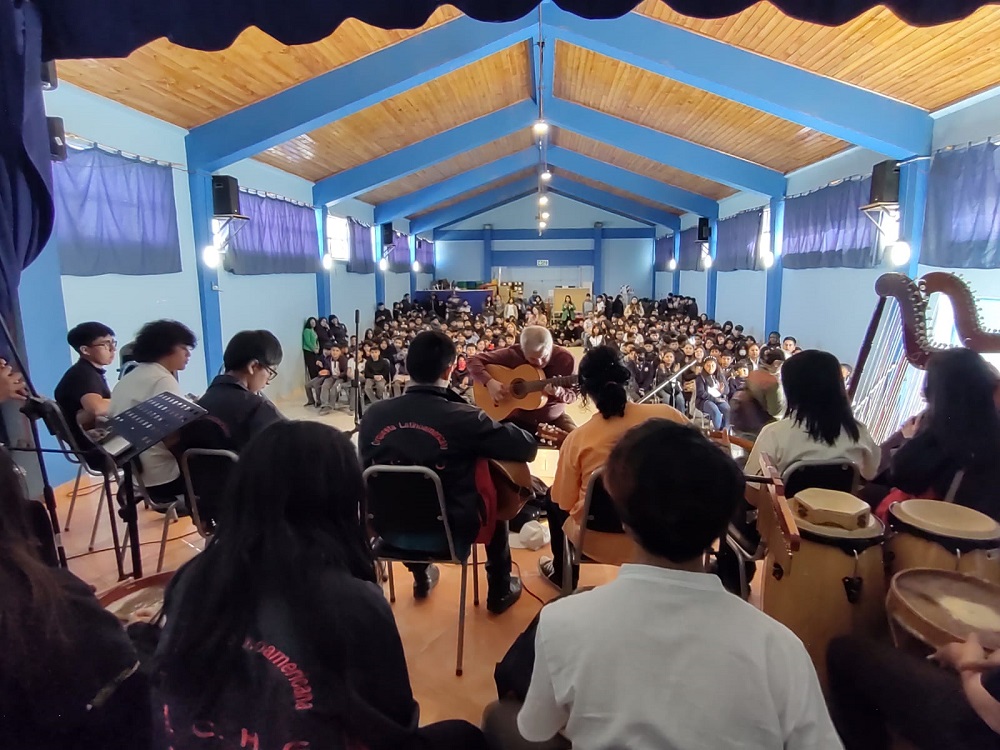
[(547, 569), (498, 604), (422, 586)]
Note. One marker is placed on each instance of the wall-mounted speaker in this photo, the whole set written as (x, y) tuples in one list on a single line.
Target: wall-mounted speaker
[(885, 182), (385, 232), (225, 195), (57, 138), (704, 229)]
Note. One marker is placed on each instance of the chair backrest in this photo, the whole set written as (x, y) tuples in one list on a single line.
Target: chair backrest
[(206, 463), (56, 422), (406, 500), (831, 475), (599, 510)]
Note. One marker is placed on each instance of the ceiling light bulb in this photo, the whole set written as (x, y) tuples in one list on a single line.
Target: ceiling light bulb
[(546, 176), (672, 265), (211, 256), (767, 259), (383, 264), (545, 214), (327, 261), (542, 225), (543, 200), (899, 253), (416, 266), (540, 128), (706, 261)]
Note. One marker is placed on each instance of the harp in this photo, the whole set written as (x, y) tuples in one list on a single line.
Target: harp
[(887, 384)]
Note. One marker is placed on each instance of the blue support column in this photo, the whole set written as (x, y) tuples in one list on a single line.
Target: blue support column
[(652, 270), (413, 259), (913, 179), (713, 277), (487, 253), (675, 275), (598, 258), (772, 302), (208, 278), (323, 293), (379, 273)]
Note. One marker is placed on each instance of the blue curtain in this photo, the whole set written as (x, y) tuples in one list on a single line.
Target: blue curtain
[(736, 248), (362, 259), (826, 229), (115, 215), (663, 252), (399, 256), (962, 226), (281, 237), (425, 256), (690, 253)]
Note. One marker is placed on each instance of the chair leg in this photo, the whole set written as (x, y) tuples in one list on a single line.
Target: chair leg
[(461, 618), (475, 576), (567, 582), (97, 519), (169, 517), (72, 497), (392, 583)]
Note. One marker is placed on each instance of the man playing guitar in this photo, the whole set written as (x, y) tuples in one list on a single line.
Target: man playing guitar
[(538, 350)]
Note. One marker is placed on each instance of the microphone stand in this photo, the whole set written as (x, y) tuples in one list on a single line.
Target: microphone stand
[(665, 383), (359, 399)]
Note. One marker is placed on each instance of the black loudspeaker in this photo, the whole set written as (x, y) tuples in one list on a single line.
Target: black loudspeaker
[(225, 195), (57, 138), (704, 230), (385, 232), (50, 78), (885, 182)]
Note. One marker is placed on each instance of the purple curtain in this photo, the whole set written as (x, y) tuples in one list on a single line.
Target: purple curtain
[(362, 258), (425, 255), (281, 237), (663, 252), (962, 226), (399, 256), (737, 239), (115, 215), (690, 253), (826, 229)]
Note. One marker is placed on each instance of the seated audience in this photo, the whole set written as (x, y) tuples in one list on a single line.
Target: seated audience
[(711, 394), (162, 349), (663, 656), (235, 398), (603, 380), (68, 673), (278, 635), (82, 393), (336, 382), (378, 373), (434, 427), (789, 345)]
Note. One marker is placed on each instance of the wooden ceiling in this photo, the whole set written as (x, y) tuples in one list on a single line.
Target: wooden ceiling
[(478, 191), (929, 67), (611, 86), (462, 95), (614, 191), (189, 87)]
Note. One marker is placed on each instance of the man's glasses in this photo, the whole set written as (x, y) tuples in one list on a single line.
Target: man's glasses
[(111, 345)]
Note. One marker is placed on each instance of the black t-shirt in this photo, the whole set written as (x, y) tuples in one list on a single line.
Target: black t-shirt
[(243, 413), (78, 381)]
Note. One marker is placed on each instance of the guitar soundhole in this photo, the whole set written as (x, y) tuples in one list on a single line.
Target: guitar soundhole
[(517, 388)]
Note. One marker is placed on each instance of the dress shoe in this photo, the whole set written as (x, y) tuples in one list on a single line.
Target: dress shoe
[(422, 586), (501, 598)]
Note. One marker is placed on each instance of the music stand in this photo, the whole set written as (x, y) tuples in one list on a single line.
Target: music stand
[(133, 432)]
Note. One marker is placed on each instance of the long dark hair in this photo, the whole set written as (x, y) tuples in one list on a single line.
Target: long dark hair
[(32, 603), (292, 510), (603, 378), (961, 414), (817, 399)]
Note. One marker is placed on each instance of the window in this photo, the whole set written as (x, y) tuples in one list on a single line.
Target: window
[(338, 238), (765, 230), (943, 329)]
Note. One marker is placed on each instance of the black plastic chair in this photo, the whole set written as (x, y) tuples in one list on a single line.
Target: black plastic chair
[(206, 465), (601, 516), (409, 500), (830, 475)]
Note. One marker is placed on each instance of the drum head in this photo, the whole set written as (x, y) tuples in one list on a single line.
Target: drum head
[(135, 601), (825, 507), (872, 530), (946, 519), (951, 602)]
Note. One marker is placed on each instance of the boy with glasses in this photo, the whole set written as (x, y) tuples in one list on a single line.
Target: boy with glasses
[(83, 394)]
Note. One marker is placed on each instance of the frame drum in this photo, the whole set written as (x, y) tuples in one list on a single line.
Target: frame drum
[(833, 585), (928, 609), (137, 601), (935, 534)]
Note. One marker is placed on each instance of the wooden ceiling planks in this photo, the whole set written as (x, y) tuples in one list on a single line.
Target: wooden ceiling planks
[(462, 95), (477, 157), (614, 191), (188, 87), (634, 94), (641, 165), (930, 67), (479, 191)]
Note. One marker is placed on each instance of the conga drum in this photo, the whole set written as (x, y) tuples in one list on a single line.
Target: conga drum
[(137, 601), (928, 609), (935, 534), (835, 583)]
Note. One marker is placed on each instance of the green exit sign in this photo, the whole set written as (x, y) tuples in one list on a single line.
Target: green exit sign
[(542, 263)]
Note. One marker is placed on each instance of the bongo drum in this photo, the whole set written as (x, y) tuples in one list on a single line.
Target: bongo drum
[(928, 609), (935, 534), (835, 583), (137, 601)]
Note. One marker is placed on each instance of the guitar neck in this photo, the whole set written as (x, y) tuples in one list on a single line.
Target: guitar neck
[(566, 381)]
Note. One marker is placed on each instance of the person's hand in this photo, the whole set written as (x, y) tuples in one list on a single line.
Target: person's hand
[(498, 391), (910, 426), (954, 655), (11, 383), (379, 378), (555, 392)]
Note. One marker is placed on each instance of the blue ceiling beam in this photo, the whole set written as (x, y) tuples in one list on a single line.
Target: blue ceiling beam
[(827, 105), (666, 149), (349, 89), (610, 202), (654, 190), (424, 154), (478, 204), (454, 186)]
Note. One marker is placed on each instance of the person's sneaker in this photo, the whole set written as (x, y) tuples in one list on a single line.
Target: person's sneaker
[(547, 569), (324, 410), (311, 403), (423, 586), (497, 604)]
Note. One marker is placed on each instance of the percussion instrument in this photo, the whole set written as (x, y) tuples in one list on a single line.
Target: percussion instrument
[(935, 534), (137, 600), (928, 609), (525, 385), (834, 582)]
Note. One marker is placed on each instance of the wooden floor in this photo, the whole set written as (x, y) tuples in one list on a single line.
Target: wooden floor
[(429, 628)]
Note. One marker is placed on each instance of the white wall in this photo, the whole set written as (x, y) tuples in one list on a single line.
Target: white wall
[(350, 292), (740, 298), (459, 261), (396, 285), (545, 280), (628, 262), (664, 283), (565, 214), (695, 284)]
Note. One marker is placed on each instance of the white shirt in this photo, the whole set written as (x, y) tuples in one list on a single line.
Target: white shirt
[(141, 384), (669, 660), (787, 442)]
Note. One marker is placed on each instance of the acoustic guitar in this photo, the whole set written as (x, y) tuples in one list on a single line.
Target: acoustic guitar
[(525, 385), (512, 480)]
